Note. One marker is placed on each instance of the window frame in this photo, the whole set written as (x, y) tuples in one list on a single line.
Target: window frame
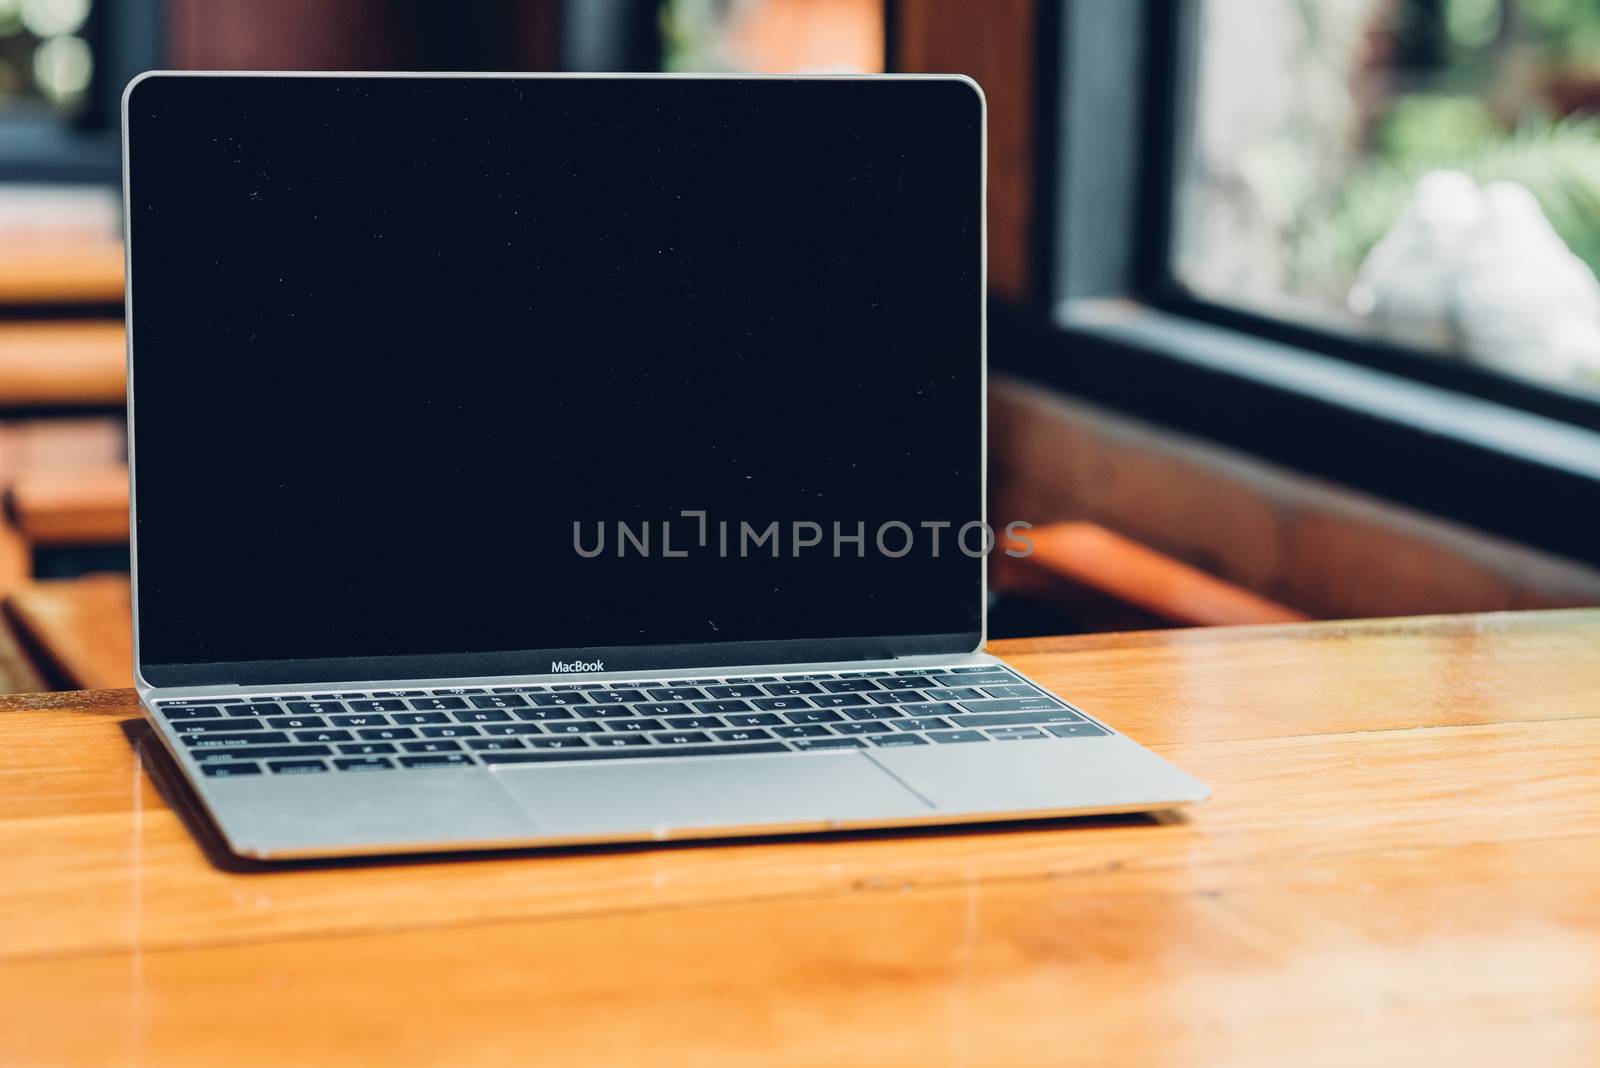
[(1108, 320), (128, 37)]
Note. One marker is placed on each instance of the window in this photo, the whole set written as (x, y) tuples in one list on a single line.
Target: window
[(1418, 173), (45, 59), (774, 36)]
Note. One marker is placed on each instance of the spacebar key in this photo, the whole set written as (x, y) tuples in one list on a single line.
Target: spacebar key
[(630, 753)]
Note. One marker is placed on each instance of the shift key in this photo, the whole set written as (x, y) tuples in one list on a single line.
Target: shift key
[(1011, 704)]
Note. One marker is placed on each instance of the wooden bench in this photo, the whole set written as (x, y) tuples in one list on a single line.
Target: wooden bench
[(71, 506), (79, 632), (63, 364), (1085, 566)]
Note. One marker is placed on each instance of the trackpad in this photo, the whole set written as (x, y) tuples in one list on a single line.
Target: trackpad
[(658, 797)]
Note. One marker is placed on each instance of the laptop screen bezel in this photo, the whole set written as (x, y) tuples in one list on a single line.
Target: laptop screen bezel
[(502, 663)]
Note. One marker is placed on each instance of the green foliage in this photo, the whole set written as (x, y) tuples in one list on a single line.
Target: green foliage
[(1558, 162)]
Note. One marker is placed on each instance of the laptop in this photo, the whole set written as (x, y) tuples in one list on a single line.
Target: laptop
[(525, 460)]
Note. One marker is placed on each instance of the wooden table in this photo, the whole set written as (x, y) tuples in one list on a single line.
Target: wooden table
[(1400, 865)]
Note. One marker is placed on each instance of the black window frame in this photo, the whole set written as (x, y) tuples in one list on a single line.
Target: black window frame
[(1108, 320)]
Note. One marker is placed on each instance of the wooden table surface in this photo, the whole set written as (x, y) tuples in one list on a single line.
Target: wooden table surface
[(1400, 865)]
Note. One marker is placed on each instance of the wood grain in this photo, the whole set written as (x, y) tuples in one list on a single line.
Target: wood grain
[(80, 629), (1399, 866)]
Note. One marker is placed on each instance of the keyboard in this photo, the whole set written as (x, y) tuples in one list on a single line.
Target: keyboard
[(390, 731)]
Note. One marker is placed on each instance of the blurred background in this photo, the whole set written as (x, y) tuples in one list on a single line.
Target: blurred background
[(1294, 310)]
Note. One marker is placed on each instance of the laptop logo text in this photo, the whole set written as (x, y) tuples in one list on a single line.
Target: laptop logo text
[(557, 666)]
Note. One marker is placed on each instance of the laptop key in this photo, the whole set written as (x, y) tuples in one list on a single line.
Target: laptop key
[(936, 708), (386, 734), (752, 719), (363, 764), (733, 691), (220, 741), (634, 726), (680, 738), (295, 767), (743, 734), (574, 726), (257, 752), (359, 721), (228, 771), (949, 737), (645, 752), (868, 726), (694, 723), (322, 736), (1012, 704), (719, 707), (676, 693), (214, 726), (566, 742), (929, 723), (494, 744), (611, 711), (873, 712), (1008, 719), (801, 730), (560, 700), (1011, 690), (666, 708), (813, 715), (897, 741), (897, 697), (437, 704), (957, 694), (620, 739), (255, 708), (780, 704), (500, 700), (384, 705), (313, 708), (808, 678), (805, 744), (367, 748), (494, 730), (171, 713), (616, 697), (791, 689), (295, 722), (1077, 730), (849, 686), (438, 760), (912, 682), (480, 715), (996, 679), (399, 693), (412, 719), (540, 715), (455, 691), (1012, 734), (431, 745), (838, 700)]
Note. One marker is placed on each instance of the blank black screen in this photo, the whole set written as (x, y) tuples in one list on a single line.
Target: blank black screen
[(393, 337)]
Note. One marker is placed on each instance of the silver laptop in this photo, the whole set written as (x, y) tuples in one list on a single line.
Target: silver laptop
[(524, 460)]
